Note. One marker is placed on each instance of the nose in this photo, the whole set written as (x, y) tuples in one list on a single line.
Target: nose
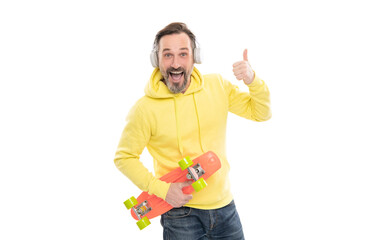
[(175, 63)]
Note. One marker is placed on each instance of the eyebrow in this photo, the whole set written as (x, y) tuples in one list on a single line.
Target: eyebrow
[(168, 49)]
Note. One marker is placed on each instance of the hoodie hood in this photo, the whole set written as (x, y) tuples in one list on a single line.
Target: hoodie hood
[(157, 89)]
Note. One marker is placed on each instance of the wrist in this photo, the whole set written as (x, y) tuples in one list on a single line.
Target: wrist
[(256, 81), (251, 80)]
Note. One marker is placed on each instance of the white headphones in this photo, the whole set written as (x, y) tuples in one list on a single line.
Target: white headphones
[(155, 63)]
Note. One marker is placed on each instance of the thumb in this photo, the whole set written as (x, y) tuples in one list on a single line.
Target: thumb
[(245, 55)]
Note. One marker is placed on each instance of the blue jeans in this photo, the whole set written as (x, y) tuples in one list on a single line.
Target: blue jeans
[(193, 224)]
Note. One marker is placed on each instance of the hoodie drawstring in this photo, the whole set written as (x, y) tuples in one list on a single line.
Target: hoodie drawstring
[(178, 129), (199, 125)]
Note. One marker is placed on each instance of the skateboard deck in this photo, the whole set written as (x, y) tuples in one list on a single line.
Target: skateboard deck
[(202, 167)]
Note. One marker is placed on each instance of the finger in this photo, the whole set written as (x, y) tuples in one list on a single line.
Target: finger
[(241, 64), (241, 68), (239, 76), (237, 64), (245, 58), (185, 184), (238, 73), (188, 197)]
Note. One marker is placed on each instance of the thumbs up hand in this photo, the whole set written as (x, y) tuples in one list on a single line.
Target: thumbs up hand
[(243, 71)]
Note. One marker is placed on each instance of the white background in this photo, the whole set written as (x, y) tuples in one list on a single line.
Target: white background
[(71, 70)]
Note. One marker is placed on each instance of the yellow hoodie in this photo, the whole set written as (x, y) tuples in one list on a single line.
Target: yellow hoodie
[(173, 126)]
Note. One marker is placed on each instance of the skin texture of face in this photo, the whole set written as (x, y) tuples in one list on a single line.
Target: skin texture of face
[(176, 61)]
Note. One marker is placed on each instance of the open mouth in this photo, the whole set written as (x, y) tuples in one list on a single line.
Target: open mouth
[(176, 76)]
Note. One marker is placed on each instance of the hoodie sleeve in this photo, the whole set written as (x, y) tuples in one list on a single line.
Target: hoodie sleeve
[(253, 105), (134, 139)]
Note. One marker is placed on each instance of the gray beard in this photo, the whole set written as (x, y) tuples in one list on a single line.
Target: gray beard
[(175, 88)]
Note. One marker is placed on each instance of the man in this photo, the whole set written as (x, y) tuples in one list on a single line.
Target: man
[(184, 113)]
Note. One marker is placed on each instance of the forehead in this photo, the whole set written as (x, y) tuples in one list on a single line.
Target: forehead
[(175, 41)]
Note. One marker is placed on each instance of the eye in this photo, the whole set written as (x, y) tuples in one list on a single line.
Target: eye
[(167, 55), (183, 54)]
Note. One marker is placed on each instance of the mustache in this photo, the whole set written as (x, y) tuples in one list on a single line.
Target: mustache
[(179, 69)]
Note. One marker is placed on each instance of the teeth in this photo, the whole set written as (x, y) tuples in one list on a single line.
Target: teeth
[(176, 72)]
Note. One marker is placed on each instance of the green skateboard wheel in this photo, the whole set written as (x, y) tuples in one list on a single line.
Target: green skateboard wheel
[(199, 185), (185, 163), (142, 223), (129, 203)]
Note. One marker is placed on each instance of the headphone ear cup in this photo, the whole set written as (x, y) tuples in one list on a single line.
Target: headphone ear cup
[(154, 59), (197, 55)]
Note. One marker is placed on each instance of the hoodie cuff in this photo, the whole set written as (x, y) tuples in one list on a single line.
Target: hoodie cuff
[(256, 82), (159, 188)]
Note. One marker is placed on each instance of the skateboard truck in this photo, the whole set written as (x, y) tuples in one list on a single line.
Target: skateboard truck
[(194, 173), (140, 210)]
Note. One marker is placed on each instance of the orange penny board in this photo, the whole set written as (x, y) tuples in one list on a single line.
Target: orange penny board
[(209, 162)]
